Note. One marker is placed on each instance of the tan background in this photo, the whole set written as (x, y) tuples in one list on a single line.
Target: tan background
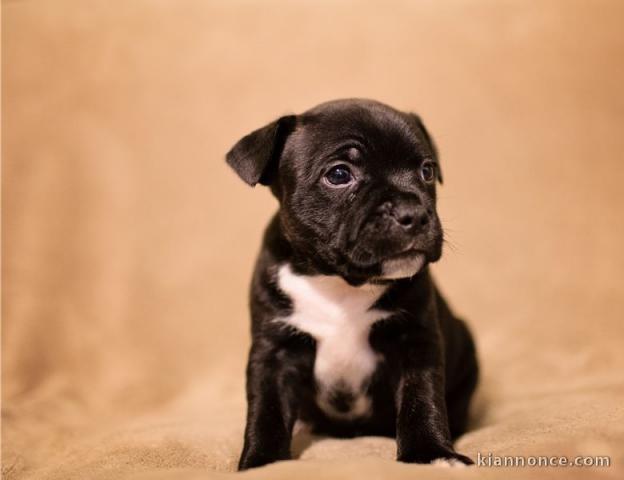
[(128, 243)]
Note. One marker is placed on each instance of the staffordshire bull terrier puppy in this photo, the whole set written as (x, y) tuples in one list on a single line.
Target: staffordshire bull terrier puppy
[(350, 334)]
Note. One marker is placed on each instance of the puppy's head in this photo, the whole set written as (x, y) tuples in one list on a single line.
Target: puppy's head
[(356, 184)]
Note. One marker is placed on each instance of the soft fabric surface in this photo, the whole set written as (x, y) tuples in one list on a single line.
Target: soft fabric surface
[(128, 244)]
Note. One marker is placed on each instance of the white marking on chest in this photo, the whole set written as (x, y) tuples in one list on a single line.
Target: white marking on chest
[(339, 317)]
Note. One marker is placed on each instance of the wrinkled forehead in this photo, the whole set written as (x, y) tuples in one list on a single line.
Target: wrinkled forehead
[(378, 132)]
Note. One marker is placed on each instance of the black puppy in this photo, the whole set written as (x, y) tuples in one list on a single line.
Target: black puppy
[(349, 332)]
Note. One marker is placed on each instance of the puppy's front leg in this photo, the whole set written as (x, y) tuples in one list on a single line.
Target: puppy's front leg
[(271, 407), (422, 422)]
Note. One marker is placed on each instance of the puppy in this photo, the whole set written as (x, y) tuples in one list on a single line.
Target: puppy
[(349, 332)]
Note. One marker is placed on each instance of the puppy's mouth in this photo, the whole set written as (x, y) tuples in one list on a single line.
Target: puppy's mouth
[(391, 263), (380, 257), (403, 265)]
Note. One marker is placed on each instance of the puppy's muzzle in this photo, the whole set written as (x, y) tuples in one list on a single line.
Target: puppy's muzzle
[(405, 218)]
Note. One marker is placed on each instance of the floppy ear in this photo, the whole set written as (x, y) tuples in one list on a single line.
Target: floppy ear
[(255, 156), (432, 145)]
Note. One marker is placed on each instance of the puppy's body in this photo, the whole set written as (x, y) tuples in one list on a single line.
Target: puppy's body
[(349, 333)]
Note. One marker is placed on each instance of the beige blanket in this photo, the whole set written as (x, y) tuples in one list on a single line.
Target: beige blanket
[(128, 243)]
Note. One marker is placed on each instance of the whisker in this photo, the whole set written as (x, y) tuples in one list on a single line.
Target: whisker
[(449, 241)]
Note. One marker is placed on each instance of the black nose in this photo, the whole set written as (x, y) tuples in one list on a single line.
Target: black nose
[(410, 215)]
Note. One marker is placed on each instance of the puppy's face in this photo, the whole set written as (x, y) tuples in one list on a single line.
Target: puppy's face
[(356, 184)]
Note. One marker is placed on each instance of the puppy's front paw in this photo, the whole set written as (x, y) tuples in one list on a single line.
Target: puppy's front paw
[(252, 459)]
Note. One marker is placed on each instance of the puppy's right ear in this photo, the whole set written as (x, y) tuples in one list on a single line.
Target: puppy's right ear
[(255, 157)]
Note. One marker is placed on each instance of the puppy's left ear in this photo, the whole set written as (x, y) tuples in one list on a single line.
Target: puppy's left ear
[(255, 157), (421, 126)]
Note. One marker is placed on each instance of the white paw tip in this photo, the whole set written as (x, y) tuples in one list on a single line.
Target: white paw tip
[(448, 463)]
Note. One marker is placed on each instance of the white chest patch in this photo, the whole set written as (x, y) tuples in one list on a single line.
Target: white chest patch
[(339, 317)]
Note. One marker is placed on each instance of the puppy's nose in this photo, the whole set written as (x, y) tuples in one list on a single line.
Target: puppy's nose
[(409, 215)]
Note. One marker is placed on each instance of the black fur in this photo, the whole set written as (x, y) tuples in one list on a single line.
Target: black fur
[(421, 391)]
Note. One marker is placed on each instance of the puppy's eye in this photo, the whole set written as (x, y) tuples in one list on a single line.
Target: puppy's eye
[(427, 171), (339, 175)]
